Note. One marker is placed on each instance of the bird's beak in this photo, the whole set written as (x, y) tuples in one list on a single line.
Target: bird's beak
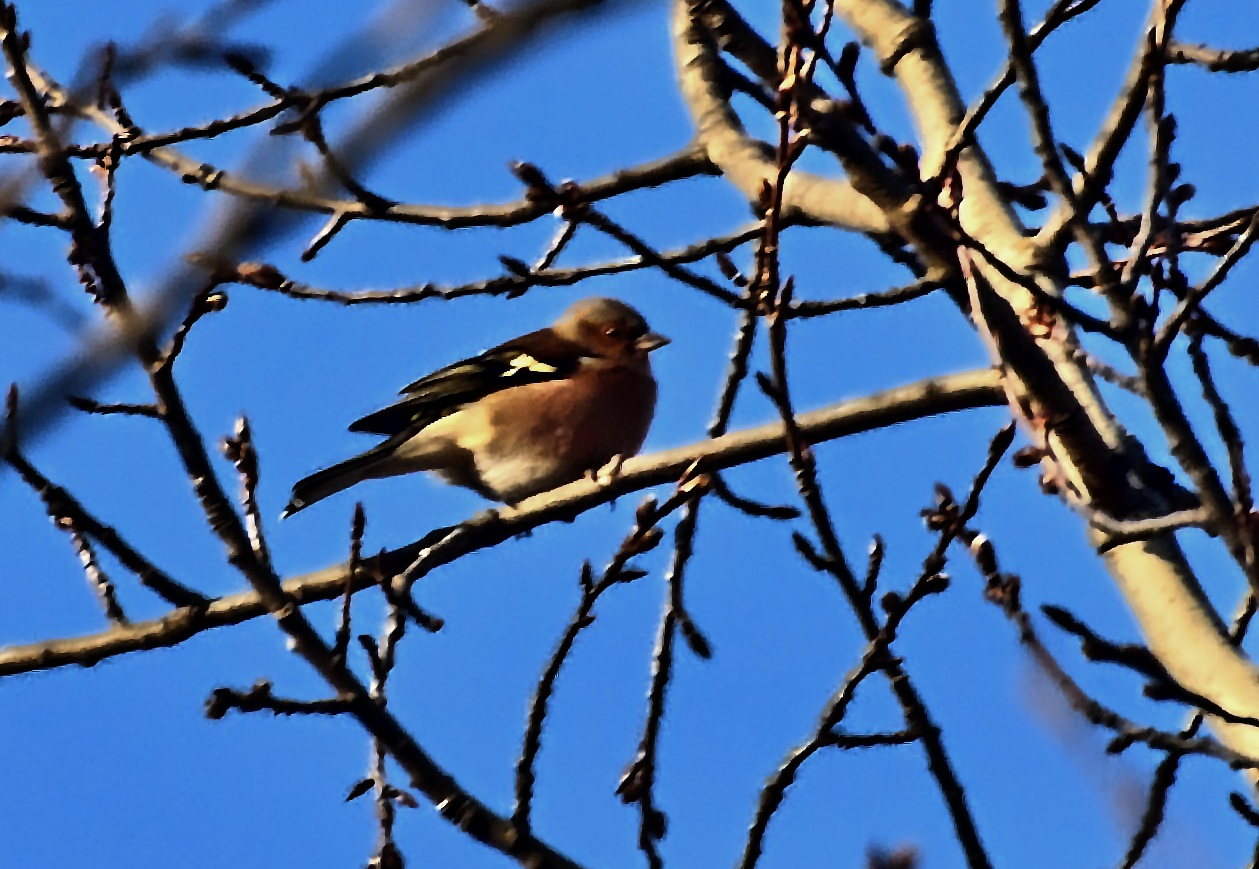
[(651, 341)]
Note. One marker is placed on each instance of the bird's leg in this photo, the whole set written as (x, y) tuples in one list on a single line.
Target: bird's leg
[(606, 475)]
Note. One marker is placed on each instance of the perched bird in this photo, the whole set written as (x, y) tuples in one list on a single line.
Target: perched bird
[(524, 417)]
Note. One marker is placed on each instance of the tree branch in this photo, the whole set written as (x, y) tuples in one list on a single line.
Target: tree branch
[(918, 400)]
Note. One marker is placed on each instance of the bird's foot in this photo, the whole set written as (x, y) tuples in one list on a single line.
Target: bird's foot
[(606, 475)]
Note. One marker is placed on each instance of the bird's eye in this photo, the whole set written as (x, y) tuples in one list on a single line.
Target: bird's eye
[(614, 332)]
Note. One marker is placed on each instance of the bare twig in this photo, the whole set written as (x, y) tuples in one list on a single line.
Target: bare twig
[(1193, 299), (88, 405), (100, 582), (341, 645), (645, 536), (1004, 591), (1060, 13), (1231, 435), (1214, 59), (260, 699), (516, 283), (637, 785), (62, 508), (1120, 531)]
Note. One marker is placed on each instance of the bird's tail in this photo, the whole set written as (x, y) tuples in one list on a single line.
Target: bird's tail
[(329, 481)]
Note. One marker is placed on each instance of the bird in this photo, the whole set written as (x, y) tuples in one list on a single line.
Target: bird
[(521, 418)]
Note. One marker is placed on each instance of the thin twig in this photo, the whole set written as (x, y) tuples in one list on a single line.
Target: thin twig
[(268, 277), (341, 645), (260, 699), (1193, 299), (1235, 446), (1214, 59), (61, 507), (644, 536)]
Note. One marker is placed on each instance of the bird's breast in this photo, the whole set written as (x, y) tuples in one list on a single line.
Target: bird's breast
[(541, 435)]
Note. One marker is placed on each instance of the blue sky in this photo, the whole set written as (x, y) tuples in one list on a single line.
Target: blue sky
[(117, 766)]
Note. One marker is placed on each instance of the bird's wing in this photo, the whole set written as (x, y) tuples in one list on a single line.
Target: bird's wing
[(532, 358)]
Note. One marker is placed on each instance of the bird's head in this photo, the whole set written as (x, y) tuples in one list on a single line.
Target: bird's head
[(609, 329)]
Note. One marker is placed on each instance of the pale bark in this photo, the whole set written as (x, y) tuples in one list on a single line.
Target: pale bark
[(1043, 377)]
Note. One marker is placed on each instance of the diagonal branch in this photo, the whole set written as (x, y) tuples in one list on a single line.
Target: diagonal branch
[(746, 162), (918, 400), (1056, 396)]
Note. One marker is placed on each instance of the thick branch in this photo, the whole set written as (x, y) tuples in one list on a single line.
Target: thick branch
[(1180, 626), (925, 398), (747, 162)]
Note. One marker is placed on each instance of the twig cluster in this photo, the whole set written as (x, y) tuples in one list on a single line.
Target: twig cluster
[(934, 207)]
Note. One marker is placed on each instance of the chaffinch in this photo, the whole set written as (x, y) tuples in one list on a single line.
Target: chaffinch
[(528, 415)]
